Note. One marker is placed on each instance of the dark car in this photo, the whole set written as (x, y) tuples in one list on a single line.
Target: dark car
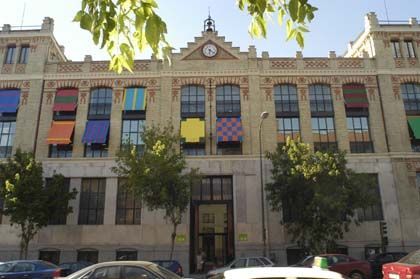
[(29, 270), (72, 267), (343, 264), (407, 267), (378, 260), (124, 269), (171, 265)]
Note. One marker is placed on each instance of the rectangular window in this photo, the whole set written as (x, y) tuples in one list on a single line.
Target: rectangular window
[(396, 51), (288, 127), (10, 54), (92, 201), (90, 256), (61, 219), (61, 150), (96, 150), (359, 135), (213, 188), (192, 101), (410, 49), (321, 100), (228, 101), (374, 212), (132, 133), (193, 149), (23, 56), (126, 255), (7, 134), (128, 206), (286, 100), (323, 131), (100, 103), (52, 256), (229, 148)]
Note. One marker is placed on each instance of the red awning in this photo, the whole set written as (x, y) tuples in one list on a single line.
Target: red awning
[(65, 100), (60, 132)]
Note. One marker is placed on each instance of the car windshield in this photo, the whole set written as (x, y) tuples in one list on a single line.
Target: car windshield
[(413, 258), (5, 267), (163, 272)]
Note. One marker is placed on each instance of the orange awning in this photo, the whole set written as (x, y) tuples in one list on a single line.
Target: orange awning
[(60, 132)]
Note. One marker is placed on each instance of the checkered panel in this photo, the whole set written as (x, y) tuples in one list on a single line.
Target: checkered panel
[(229, 129)]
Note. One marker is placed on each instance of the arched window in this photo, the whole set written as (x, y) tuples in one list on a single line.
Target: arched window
[(100, 102), (228, 100), (192, 101), (410, 93), (286, 100), (321, 99)]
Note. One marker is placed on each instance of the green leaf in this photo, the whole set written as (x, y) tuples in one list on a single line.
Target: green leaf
[(280, 16), (86, 22), (293, 9), (78, 16), (300, 40)]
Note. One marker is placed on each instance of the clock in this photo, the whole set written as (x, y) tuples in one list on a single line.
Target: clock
[(209, 50)]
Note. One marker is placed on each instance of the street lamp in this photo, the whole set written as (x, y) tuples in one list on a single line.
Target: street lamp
[(263, 116)]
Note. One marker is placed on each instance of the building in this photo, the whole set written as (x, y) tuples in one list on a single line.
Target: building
[(367, 102)]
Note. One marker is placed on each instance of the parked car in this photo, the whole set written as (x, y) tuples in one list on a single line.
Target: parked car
[(29, 269), (378, 260), (171, 265), (343, 264), (406, 267), (71, 267), (280, 272), (240, 263), (124, 269)]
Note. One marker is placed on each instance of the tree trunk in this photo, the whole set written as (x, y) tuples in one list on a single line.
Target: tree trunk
[(24, 243), (173, 235)]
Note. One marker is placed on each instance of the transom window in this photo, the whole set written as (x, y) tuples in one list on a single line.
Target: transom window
[(212, 189), (396, 50), (320, 98), (411, 96), (61, 150), (96, 150), (285, 99), (323, 131), (359, 136), (132, 133), (288, 127), (192, 101), (228, 100), (193, 149), (128, 206), (410, 48), (100, 102), (7, 134), (92, 201), (23, 56), (10, 54)]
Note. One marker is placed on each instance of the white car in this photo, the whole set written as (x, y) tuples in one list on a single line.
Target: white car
[(240, 263), (281, 272)]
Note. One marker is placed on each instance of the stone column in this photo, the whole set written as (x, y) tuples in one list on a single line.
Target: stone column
[(340, 119), (45, 121), (305, 111), (81, 118), (111, 189), (116, 119)]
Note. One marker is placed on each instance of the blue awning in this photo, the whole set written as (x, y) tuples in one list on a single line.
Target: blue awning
[(96, 131), (9, 100)]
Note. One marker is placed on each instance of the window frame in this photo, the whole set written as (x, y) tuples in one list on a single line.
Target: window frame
[(373, 216), (141, 125), (127, 202), (207, 184), (329, 145), (285, 130), (193, 149), (96, 101), (23, 54), (410, 93), (60, 220), (359, 146), (286, 100), (226, 96), (88, 252), (229, 148), (55, 255), (120, 253), (85, 204), (188, 94), (10, 136), (321, 100), (10, 57), (396, 49), (409, 46)]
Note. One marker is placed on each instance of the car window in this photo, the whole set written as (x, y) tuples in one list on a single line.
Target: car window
[(108, 272), (23, 267), (265, 261), (254, 262), (5, 267), (167, 274), (134, 272), (239, 263), (413, 258)]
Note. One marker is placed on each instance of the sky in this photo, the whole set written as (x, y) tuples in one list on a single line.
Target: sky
[(336, 23)]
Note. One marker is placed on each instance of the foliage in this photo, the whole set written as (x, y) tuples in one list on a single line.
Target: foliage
[(28, 203), (323, 191), (125, 26), (158, 175)]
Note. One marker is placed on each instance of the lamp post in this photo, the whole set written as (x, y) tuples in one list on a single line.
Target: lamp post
[(263, 116)]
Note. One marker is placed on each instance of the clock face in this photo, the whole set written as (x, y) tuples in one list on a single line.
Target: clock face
[(210, 50)]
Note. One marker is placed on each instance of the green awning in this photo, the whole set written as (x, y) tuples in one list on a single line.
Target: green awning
[(414, 123)]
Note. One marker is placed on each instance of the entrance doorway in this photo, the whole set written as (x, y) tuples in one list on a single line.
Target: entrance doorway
[(212, 243)]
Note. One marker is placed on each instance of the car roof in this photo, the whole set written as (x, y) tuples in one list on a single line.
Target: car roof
[(25, 261), (281, 272)]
